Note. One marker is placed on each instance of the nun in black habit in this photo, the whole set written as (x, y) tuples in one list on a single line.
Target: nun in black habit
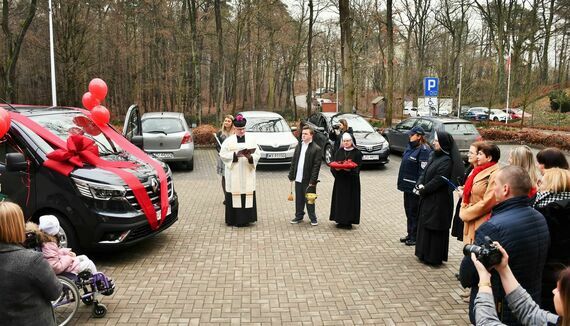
[(345, 204), (436, 200)]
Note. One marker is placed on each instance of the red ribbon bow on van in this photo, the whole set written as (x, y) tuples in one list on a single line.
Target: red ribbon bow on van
[(79, 150)]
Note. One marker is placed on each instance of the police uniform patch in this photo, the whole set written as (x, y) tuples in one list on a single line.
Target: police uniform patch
[(423, 165)]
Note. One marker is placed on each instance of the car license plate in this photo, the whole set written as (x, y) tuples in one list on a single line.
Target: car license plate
[(276, 155), (370, 157), (159, 212), (164, 155)]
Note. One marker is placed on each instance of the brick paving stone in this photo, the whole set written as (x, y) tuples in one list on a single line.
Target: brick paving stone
[(201, 272)]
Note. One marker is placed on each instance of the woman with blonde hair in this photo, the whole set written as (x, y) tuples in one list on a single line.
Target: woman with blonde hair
[(226, 130), (553, 201), (27, 281), (522, 156)]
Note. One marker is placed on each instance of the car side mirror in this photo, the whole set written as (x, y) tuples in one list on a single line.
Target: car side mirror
[(16, 162), (138, 141)]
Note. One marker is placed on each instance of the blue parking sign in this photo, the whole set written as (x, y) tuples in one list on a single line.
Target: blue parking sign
[(431, 86)]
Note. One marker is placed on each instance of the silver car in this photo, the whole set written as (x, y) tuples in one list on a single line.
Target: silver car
[(165, 135), (273, 135)]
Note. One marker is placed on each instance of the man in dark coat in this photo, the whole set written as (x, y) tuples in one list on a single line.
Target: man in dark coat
[(414, 161), (522, 231), (304, 170)]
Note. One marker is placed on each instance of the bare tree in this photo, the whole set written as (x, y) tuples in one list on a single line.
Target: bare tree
[(346, 54)]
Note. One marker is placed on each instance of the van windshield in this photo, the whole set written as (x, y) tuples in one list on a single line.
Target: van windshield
[(75, 123)]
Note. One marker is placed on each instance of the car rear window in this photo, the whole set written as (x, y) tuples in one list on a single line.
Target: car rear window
[(459, 128), (260, 124), (162, 125)]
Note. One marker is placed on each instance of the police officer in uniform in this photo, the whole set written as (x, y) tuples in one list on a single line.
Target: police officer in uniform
[(414, 160)]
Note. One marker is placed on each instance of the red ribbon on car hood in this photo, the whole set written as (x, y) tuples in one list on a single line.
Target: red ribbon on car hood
[(79, 150)]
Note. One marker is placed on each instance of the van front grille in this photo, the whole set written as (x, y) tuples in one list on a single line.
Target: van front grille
[(154, 196)]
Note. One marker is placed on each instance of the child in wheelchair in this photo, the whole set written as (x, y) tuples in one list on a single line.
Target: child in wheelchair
[(79, 269)]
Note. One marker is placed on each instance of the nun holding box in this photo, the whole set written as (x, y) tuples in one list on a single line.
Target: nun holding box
[(345, 203)]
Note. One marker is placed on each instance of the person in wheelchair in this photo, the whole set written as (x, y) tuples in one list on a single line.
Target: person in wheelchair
[(62, 260)]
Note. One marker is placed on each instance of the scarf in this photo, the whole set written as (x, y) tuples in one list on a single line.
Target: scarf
[(469, 183)]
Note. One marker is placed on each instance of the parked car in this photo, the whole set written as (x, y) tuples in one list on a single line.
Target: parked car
[(375, 149), (96, 208), (477, 114), (498, 115), (411, 111), (464, 132), (516, 113), (166, 136), (273, 135)]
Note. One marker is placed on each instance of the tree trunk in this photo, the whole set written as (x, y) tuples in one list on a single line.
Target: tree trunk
[(390, 88), (346, 52), (310, 61), (221, 64)]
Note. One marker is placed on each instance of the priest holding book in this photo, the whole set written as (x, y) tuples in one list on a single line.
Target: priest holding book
[(240, 155)]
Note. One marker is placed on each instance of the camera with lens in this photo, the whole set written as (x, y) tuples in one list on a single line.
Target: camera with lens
[(488, 254)]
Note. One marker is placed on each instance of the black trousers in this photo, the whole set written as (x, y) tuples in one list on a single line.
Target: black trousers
[(411, 206), (300, 202)]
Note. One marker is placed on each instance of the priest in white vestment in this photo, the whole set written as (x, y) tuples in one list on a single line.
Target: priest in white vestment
[(240, 155)]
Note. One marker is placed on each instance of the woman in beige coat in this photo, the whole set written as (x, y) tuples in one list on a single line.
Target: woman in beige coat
[(478, 195)]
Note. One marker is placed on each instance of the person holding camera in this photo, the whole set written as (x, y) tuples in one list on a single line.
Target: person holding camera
[(521, 230), (518, 299), (336, 135)]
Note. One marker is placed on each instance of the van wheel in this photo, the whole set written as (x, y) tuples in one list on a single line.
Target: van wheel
[(67, 238)]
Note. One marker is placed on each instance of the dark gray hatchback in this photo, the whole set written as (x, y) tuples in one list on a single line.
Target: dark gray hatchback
[(463, 131)]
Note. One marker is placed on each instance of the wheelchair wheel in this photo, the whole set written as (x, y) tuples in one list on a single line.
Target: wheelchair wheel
[(99, 310), (87, 300), (67, 304)]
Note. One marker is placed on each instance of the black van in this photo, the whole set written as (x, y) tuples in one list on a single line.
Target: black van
[(96, 209)]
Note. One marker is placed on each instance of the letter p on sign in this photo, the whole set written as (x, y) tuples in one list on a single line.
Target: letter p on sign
[(431, 86)]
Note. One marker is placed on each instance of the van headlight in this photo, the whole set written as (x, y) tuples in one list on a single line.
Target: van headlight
[(385, 145), (98, 190), (292, 146)]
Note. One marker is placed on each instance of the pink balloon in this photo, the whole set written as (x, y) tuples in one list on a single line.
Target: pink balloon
[(98, 88), (100, 115), (89, 101)]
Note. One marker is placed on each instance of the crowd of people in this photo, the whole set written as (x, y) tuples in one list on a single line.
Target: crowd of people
[(523, 207), (238, 158)]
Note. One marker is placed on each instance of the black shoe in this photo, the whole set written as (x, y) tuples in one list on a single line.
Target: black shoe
[(404, 239), (410, 242), (296, 221)]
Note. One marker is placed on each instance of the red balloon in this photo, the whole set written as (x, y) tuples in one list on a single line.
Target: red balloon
[(98, 88), (89, 101), (100, 115), (5, 121)]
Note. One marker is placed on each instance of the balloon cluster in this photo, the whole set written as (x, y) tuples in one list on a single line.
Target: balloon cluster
[(5, 122), (92, 101)]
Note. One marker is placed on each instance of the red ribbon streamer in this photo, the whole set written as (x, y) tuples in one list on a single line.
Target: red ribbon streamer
[(77, 151)]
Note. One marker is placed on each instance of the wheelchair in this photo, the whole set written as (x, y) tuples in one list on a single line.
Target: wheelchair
[(82, 287)]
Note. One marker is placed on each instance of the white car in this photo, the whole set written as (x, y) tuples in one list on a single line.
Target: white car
[(498, 115), (273, 135)]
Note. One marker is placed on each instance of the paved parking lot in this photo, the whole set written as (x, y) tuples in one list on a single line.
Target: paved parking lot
[(202, 272)]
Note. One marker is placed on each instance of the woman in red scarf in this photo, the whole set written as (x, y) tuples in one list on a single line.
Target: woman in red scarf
[(478, 195)]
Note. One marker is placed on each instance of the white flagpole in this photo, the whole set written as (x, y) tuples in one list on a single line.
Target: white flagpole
[(508, 84), (52, 57)]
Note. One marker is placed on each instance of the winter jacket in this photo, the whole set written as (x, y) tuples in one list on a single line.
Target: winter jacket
[(523, 232), (311, 166), (60, 259), (481, 201), (27, 287), (414, 161), (557, 215), (520, 303)]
